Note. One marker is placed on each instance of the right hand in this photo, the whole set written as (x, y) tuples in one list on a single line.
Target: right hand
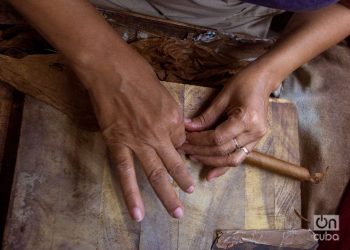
[(137, 115)]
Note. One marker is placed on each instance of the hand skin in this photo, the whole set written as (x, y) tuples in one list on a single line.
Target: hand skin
[(244, 99), (135, 112)]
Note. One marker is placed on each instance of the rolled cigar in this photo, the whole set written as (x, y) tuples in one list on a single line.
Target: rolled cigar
[(280, 167)]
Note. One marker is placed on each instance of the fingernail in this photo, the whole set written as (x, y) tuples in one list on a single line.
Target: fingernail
[(188, 120), (136, 213), (193, 159), (190, 189), (212, 179), (178, 213)]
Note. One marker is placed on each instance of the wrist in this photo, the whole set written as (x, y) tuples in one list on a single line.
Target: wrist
[(102, 59), (263, 79), (117, 64), (90, 55)]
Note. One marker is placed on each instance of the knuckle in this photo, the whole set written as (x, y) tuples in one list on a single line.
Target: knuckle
[(217, 138), (175, 169), (113, 136), (227, 159), (261, 130), (124, 168), (123, 165), (237, 112), (110, 134), (181, 140), (178, 143), (201, 119), (175, 117), (156, 176), (253, 119), (178, 138), (256, 124), (233, 160), (223, 150)]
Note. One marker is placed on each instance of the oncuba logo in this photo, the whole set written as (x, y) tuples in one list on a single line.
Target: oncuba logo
[(326, 223)]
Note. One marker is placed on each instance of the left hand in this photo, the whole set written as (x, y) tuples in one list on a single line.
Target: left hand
[(244, 101)]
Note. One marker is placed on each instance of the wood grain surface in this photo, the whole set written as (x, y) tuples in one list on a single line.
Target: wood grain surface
[(65, 194)]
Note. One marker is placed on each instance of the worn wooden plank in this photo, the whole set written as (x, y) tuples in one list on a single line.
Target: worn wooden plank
[(66, 196)]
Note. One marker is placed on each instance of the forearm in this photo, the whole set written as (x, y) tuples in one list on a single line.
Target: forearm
[(73, 27), (306, 36)]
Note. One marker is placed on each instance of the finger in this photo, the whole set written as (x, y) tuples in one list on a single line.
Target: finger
[(178, 137), (224, 133), (176, 167), (216, 172), (208, 118), (247, 138), (124, 164), (232, 160), (159, 180), (221, 150)]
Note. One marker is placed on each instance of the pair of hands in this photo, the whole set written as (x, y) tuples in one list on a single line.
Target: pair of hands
[(138, 116)]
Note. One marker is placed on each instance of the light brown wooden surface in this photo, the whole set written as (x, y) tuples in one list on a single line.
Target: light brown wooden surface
[(65, 195)]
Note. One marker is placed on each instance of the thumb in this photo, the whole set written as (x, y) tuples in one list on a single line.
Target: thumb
[(208, 118)]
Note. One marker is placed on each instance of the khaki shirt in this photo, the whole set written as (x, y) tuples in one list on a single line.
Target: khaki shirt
[(224, 15)]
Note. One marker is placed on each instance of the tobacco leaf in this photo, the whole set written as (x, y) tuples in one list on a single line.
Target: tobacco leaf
[(197, 62)]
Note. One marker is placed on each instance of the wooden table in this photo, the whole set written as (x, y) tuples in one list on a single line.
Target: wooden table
[(65, 195)]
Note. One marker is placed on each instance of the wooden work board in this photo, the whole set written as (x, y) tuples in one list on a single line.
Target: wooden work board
[(65, 195)]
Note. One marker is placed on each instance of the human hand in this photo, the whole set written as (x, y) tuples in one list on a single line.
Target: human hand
[(137, 115), (243, 102)]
